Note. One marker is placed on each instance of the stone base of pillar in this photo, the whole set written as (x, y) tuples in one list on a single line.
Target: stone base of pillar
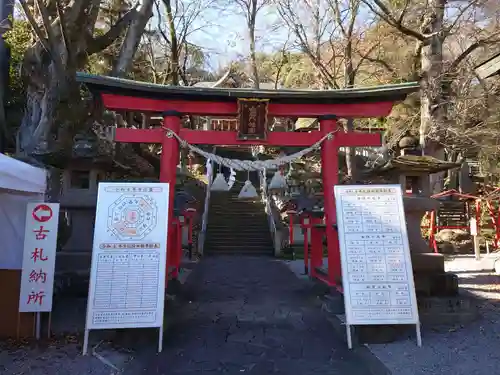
[(443, 284)]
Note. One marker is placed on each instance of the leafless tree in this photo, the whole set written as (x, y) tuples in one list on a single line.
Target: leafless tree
[(328, 33), (250, 9), (313, 27), (65, 38), (177, 21), (440, 22)]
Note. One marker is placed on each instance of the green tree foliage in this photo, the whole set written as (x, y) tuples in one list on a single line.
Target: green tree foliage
[(18, 39)]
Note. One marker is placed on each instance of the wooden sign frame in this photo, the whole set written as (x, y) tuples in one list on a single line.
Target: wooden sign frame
[(377, 273), (252, 119)]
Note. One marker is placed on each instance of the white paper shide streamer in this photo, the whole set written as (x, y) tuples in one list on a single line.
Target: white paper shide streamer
[(278, 182), (248, 191), (209, 169), (232, 179)]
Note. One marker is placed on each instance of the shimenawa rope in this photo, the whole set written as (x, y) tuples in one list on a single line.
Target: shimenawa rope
[(250, 165)]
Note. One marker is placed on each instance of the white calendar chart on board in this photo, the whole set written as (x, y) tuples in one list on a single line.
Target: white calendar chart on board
[(127, 278), (377, 274)]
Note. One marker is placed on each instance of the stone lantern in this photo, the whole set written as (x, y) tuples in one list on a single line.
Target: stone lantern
[(412, 171)]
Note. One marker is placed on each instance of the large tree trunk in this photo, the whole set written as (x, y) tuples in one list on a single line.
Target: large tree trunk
[(432, 110), (432, 107), (133, 38), (54, 109), (53, 106), (252, 18), (349, 78), (174, 46)]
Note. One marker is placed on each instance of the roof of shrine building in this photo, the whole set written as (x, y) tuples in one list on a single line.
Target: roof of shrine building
[(111, 85), (489, 68), (413, 164)]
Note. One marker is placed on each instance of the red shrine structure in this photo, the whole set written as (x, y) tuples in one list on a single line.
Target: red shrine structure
[(252, 108)]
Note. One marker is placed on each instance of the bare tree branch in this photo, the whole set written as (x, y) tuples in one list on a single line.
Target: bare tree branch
[(381, 10), (104, 41)]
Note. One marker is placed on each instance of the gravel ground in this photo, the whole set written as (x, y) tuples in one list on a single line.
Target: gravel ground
[(475, 344), (472, 349), (109, 352), (61, 358), (469, 349)]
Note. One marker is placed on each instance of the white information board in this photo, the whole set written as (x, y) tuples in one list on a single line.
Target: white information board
[(377, 275), (39, 257), (127, 278)]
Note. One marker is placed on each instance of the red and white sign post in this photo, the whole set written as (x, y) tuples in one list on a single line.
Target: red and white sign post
[(39, 258)]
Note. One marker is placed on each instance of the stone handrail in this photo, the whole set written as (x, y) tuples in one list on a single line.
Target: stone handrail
[(204, 218), (277, 230)]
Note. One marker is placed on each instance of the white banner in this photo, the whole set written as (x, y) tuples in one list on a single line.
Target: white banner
[(127, 279), (39, 257)]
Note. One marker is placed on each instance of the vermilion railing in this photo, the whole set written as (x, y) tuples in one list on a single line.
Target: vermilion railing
[(494, 217)]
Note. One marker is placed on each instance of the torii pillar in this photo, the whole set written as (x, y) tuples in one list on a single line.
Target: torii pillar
[(330, 172), (168, 173)]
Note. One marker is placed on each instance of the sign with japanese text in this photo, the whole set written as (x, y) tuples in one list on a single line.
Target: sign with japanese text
[(127, 278), (39, 257), (252, 118), (377, 273)]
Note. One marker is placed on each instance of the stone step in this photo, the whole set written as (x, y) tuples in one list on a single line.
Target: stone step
[(237, 225), (238, 212), (241, 244), (234, 198), (227, 206), (241, 214), (237, 229), (241, 238), (224, 220), (238, 242), (237, 208), (232, 248), (238, 252), (237, 201), (237, 218)]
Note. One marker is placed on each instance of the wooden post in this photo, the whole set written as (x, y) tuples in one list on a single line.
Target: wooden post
[(473, 232)]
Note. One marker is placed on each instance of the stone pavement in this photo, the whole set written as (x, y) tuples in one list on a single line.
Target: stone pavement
[(249, 315)]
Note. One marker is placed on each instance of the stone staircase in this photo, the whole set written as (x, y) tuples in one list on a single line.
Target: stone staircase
[(236, 226)]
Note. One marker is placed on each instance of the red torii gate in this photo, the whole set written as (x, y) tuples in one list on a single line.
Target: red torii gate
[(173, 102)]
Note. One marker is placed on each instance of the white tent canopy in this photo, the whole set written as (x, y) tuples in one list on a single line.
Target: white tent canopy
[(20, 184), (19, 176)]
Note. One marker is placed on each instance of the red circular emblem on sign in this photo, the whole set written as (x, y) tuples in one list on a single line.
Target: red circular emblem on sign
[(42, 213)]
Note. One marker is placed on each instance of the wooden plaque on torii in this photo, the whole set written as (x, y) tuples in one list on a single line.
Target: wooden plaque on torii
[(252, 119)]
